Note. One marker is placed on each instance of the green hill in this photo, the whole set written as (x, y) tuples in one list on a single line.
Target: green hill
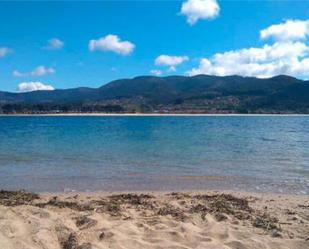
[(174, 94)]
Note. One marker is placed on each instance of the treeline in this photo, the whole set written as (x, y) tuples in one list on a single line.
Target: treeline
[(61, 108)]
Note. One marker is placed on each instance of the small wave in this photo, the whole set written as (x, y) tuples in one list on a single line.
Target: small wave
[(203, 177), (269, 139)]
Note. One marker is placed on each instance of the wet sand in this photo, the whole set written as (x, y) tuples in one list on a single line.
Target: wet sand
[(212, 219)]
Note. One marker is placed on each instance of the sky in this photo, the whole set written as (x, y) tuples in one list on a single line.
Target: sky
[(56, 45)]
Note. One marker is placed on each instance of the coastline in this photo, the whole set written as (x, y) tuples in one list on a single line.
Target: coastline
[(189, 219), (99, 193), (151, 115)]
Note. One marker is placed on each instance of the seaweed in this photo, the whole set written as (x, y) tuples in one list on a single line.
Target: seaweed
[(85, 222), (65, 204), (265, 222), (15, 198), (172, 211), (71, 242)]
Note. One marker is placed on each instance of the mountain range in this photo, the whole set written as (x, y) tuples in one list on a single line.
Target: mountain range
[(172, 94)]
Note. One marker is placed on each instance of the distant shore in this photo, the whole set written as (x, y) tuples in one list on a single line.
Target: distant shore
[(199, 219), (153, 114)]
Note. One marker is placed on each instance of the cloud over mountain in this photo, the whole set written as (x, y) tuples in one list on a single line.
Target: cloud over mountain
[(289, 54), (33, 86), (156, 72), (170, 61)]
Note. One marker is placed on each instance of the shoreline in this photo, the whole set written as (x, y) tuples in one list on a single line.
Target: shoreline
[(164, 192), (154, 220), (153, 115)]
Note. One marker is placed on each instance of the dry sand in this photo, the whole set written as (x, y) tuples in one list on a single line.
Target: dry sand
[(155, 220)]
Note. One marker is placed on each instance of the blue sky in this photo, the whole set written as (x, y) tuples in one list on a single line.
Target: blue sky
[(49, 42)]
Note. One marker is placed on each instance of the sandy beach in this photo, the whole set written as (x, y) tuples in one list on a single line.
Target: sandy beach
[(153, 220)]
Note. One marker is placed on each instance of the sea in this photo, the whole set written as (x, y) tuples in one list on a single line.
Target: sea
[(263, 153)]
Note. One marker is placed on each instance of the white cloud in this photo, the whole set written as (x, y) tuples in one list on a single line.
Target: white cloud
[(112, 43), (289, 54), (269, 60), (16, 73), (290, 30), (54, 44), (38, 71), (33, 86), (4, 51), (156, 72), (199, 9), (170, 61), (41, 71)]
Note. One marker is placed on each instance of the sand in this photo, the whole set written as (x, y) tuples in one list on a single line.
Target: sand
[(153, 220)]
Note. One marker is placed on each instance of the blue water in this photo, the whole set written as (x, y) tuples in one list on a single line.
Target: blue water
[(254, 153)]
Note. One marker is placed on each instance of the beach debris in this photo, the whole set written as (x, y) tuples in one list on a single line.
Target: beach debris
[(199, 208), (179, 206), (132, 199), (106, 206), (218, 205), (66, 204), (275, 233), (15, 198), (265, 222), (66, 237), (71, 242), (85, 222), (178, 196), (113, 204), (228, 204), (225, 204), (289, 212), (105, 235), (172, 211), (113, 209), (220, 217), (101, 235)]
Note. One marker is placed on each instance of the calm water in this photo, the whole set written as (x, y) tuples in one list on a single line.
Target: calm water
[(268, 154)]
